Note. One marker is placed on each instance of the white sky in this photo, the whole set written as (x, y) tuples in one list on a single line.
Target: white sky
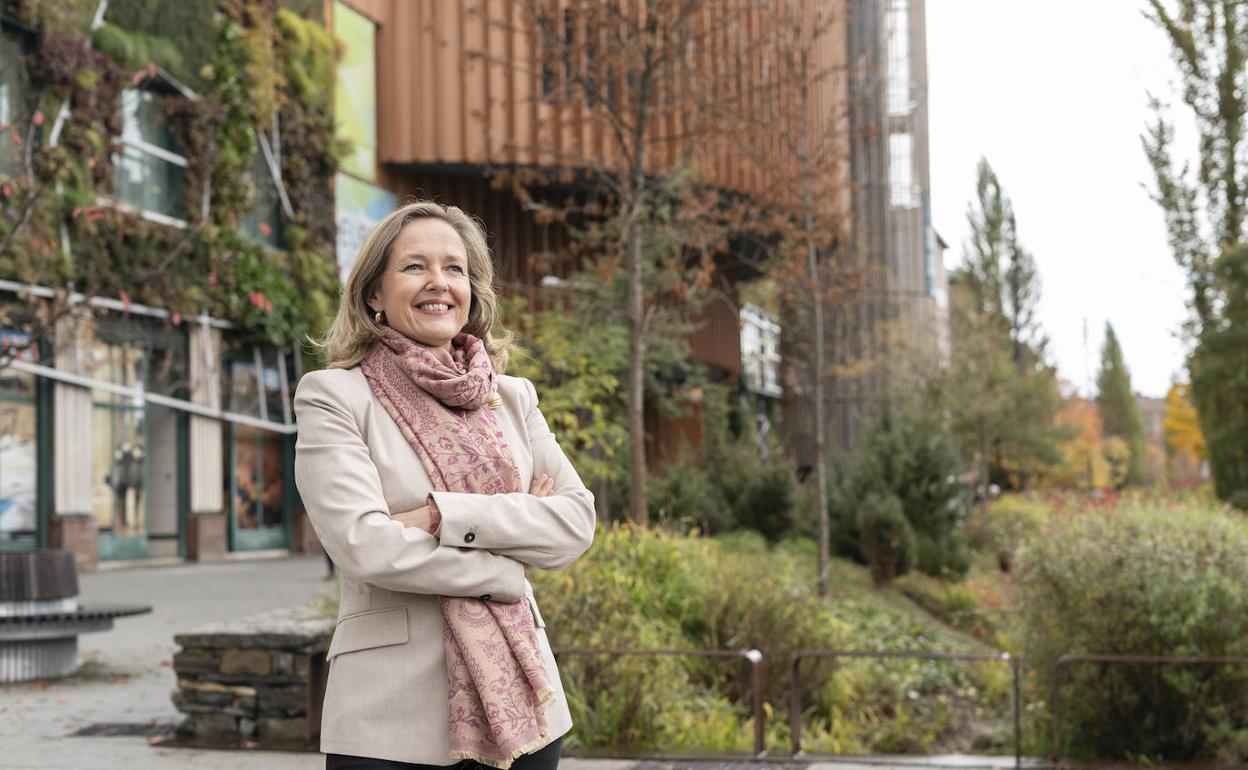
[(1053, 94)]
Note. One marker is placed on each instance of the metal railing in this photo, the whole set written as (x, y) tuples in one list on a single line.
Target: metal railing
[(1065, 660), (795, 685), (754, 657)]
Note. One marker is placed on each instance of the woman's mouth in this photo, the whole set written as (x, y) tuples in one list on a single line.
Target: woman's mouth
[(433, 307)]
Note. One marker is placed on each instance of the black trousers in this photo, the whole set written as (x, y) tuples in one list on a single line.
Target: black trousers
[(543, 759)]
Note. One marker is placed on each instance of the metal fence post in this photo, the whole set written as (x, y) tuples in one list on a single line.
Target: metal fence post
[(1018, 713), (795, 705), (1054, 700), (756, 669)]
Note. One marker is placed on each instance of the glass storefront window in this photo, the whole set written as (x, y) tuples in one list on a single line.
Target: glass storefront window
[(272, 380), (243, 393), (119, 464), (118, 459), (255, 472), (259, 482), (19, 455)]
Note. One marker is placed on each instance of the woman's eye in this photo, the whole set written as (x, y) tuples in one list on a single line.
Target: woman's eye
[(412, 266), (456, 267)]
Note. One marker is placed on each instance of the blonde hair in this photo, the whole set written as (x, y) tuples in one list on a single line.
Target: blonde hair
[(354, 330)]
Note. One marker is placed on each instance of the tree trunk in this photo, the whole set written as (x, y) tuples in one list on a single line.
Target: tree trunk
[(636, 374), (821, 465), (818, 368)]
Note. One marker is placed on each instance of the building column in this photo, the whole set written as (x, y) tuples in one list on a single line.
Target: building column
[(72, 526), (206, 520)]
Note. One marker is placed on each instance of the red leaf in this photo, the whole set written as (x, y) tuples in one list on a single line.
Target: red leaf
[(177, 319), (125, 300), (17, 138), (265, 230), (38, 118)]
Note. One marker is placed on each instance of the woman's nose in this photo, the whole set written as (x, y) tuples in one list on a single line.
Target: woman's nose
[(437, 279)]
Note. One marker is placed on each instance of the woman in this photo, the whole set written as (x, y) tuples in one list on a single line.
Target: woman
[(433, 482)]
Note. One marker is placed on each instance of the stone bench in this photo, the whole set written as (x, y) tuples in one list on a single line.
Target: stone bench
[(256, 682)]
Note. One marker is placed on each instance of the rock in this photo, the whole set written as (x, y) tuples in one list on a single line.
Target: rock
[(286, 701), (283, 663), (213, 726), (195, 662), (254, 662), (295, 629), (283, 732)]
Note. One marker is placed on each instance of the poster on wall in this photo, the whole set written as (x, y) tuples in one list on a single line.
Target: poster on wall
[(355, 98), (18, 442), (358, 207)]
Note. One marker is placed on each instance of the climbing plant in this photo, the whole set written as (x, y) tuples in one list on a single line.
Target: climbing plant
[(253, 68)]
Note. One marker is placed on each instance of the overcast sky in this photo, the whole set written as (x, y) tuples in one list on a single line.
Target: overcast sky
[(1053, 94)]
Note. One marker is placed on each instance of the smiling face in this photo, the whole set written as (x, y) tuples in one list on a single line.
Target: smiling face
[(424, 290)]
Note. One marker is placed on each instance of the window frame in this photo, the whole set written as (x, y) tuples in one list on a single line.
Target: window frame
[(154, 85), (269, 150), (24, 37)]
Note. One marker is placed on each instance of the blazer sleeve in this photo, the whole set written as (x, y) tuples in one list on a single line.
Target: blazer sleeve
[(342, 492), (545, 532)]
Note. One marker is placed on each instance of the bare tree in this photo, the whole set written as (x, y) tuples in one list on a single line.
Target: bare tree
[(795, 129), (643, 77)]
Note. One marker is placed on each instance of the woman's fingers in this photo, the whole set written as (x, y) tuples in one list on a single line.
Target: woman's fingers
[(417, 518), (542, 486)]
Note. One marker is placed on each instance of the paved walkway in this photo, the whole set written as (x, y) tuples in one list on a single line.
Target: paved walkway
[(125, 683), (121, 695)]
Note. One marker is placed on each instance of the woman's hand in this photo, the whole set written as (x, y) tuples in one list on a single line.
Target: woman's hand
[(421, 517), (542, 486)]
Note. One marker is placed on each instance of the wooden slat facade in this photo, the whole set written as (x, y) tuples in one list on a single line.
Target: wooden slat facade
[(459, 91), (459, 83)]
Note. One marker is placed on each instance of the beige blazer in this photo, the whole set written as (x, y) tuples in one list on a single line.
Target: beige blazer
[(386, 695)]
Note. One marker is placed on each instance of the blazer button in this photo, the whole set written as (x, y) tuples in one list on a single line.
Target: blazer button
[(469, 537), (485, 598)]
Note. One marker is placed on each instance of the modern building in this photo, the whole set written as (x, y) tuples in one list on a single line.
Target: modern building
[(131, 430), (485, 101), (132, 427), (894, 327)]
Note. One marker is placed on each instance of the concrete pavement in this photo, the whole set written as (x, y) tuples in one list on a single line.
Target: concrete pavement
[(122, 692)]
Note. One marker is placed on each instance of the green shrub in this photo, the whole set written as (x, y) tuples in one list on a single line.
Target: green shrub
[(763, 497), (885, 537), (687, 497), (907, 455), (946, 555), (952, 603), (1150, 581), (1009, 522), (647, 588), (725, 483)]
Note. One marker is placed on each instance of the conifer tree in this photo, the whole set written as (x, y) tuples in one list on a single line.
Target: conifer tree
[(1120, 412), (1205, 213), (1000, 392)]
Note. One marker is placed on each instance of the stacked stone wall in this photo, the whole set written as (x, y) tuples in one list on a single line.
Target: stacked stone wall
[(257, 682)]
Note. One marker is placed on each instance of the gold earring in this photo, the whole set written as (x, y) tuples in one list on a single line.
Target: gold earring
[(377, 317)]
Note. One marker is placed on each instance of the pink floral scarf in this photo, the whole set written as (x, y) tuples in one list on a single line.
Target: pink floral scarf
[(497, 683)]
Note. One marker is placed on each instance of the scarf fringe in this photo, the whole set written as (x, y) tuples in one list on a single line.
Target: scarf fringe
[(541, 742)]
